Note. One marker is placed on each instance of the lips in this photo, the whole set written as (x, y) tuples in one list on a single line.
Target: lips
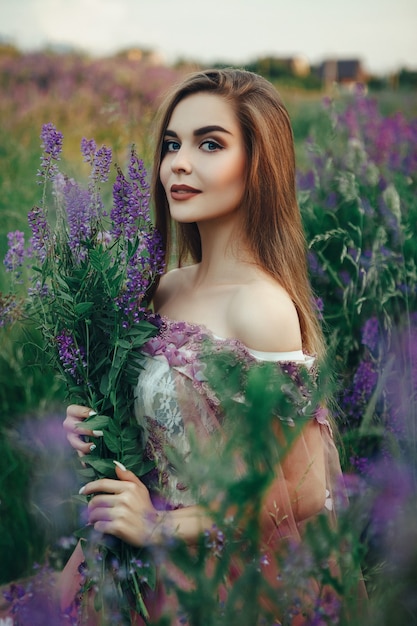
[(183, 192)]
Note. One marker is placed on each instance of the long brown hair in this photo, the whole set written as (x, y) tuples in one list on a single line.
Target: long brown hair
[(272, 220)]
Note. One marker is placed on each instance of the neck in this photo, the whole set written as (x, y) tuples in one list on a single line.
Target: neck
[(225, 252)]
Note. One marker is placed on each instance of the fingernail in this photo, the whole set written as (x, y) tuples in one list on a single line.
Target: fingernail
[(91, 413), (81, 491), (120, 466), (97, 433), (93, 447)]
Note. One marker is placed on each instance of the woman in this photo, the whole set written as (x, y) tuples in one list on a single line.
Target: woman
[(224, 173)]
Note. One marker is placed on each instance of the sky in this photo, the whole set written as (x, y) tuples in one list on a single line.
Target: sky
[(382, 33)]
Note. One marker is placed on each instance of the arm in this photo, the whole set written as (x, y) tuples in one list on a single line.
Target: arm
[(123, 507), (301, 473)]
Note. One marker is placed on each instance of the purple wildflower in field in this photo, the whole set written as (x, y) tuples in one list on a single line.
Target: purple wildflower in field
[(361, 464), (33, 601), (52, 148), (77, 204), (130, 199), (9, 309), (15, 255), (314, 264), (394, 486), (71, 357), (327, 610), (137, 170), (101, 164), (38, 290), (88, 149), (125, 208), (306, 181), (370, 334), (156, 259), (365, 380), (145, 264), (319, 306), (41, 233), (402, 387), (359, 393)]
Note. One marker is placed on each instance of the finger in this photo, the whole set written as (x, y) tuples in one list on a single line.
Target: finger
[(79, 411), (100, 514), (102, 501), (124, 474), (78, 444), (103, 485), (71, 423)]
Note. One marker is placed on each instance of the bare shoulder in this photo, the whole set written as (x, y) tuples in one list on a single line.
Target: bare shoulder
[(170, 283), (265, 318)]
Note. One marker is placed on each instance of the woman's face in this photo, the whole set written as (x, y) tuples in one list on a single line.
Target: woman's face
[(203, 165)]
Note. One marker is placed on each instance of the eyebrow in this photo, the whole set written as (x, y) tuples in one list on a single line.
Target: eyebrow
[(204, 130)]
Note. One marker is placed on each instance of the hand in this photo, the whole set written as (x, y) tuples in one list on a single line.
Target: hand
[(75, 415), (123, 508)]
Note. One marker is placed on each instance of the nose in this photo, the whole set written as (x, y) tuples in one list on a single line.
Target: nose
[(181, 162)]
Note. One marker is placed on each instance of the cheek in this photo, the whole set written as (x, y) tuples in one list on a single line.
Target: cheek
[(233, 178), (164, 172)]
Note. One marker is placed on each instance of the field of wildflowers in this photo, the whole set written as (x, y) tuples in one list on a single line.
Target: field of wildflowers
[(357, 184)]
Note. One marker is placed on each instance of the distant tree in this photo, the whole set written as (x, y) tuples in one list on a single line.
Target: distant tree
[(407, 78)]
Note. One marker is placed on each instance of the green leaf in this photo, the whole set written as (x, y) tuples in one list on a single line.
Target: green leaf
[(123, 344), (111, 441), (102, 466), (96, 422), (82, 308), (86, 474), (64, 296)]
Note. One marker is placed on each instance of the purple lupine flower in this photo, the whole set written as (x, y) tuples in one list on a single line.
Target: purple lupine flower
[(130, 199), (15, 255), (101, 164), (10, 309), (143, 266), (365, 380), (39, 290), (88, 149), (327, 610), (370, 333), (361, 389), (52, 148), (137, 170), (41, 232), (306, 181), (319, 306), (361, 464), (77, 204), (130, 204), (71, 357), (124, 211), (156, 259)]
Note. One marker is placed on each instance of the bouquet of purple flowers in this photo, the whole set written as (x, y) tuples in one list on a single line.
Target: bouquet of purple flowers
[(90, 273)]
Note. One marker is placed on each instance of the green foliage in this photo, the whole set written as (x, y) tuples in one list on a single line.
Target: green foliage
[(231, 479)]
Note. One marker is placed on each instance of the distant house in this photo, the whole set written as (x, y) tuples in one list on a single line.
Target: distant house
[(346, 72), (150, 57)]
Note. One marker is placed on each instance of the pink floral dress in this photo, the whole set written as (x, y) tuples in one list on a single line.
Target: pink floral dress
[(174, 397)]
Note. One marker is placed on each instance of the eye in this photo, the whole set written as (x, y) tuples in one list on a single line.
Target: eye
[(209, 145), (170, 145)]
